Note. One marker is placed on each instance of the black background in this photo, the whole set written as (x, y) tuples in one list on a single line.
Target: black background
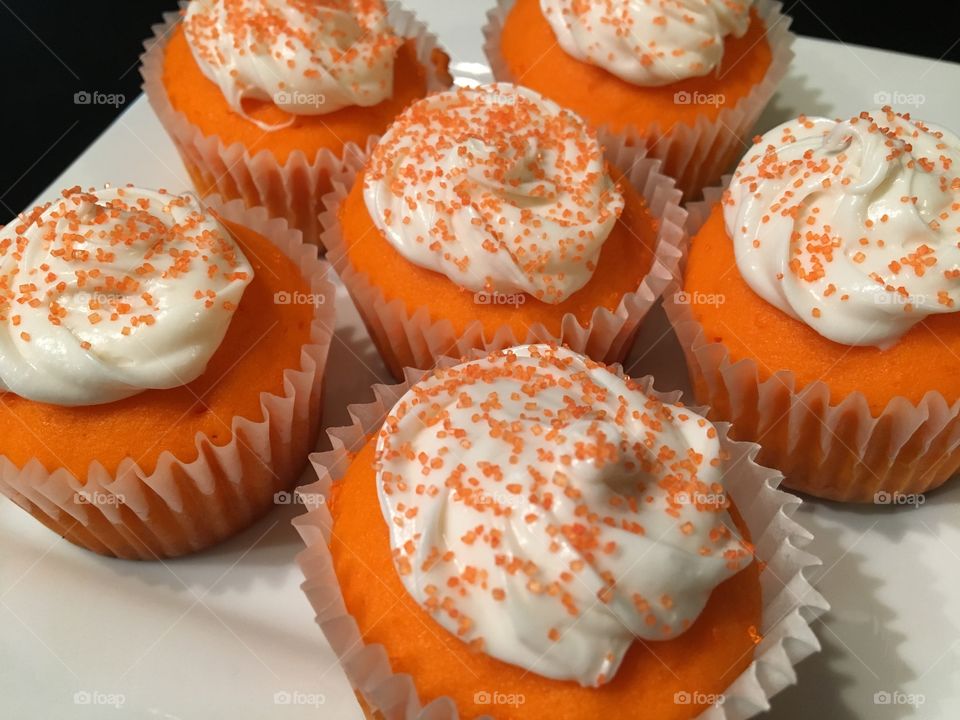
[(52, 49)]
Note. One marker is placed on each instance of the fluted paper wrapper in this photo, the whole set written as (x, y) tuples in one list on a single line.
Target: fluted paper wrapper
[(695, 155), (831, 448), (291, 190), (790, 603), (415, 339), (182, 507)]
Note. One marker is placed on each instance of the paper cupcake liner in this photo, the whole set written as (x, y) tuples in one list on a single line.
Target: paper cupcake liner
[(831, 448), (790, 602), (417, 340), (696, 155), (291, 190), (182, 507)]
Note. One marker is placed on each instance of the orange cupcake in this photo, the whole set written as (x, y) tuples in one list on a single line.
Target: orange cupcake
[(160, 368), (264, 97), (488, 217), (531, 534), (818, 306), (686, 80)]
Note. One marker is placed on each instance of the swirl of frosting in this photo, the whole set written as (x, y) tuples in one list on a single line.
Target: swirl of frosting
[(497, 188), (648, 42), (107, 293), (308, 58), (547, 511), (851, 227)]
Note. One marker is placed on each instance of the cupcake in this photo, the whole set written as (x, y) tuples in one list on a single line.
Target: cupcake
[(685, 79), (160, 367), (264, 97), (488, 217), (532, 534), (818, 309)]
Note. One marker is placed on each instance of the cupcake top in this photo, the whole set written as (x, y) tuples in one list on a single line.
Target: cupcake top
[(648, 42), (851, 226), (497, 188), (306, 57), (106, 293), (546, 510)]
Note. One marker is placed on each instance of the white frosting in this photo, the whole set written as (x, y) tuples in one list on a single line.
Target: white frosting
[(107, 293), (648, 42), (308, 58), (547, 511), (851, 226), (497, 188)]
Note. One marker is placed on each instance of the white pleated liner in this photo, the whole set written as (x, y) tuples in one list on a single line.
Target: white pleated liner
[(790, 603), (418, 340), (291, 190), (183, 507), (696, 155), (832, 449)]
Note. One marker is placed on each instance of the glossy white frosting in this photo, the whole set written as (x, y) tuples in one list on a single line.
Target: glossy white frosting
[(497, 188), (648, 42), (547, 511), (308, 58), (851, 226), (107, 293)]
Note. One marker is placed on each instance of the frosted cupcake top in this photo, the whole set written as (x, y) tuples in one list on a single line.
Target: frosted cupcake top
[(107, 293), (851, 226), (306, 57), (497, 188), (648, 42), (547, 511)]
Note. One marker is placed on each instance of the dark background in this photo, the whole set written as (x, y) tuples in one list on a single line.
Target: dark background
[(52, 49)]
